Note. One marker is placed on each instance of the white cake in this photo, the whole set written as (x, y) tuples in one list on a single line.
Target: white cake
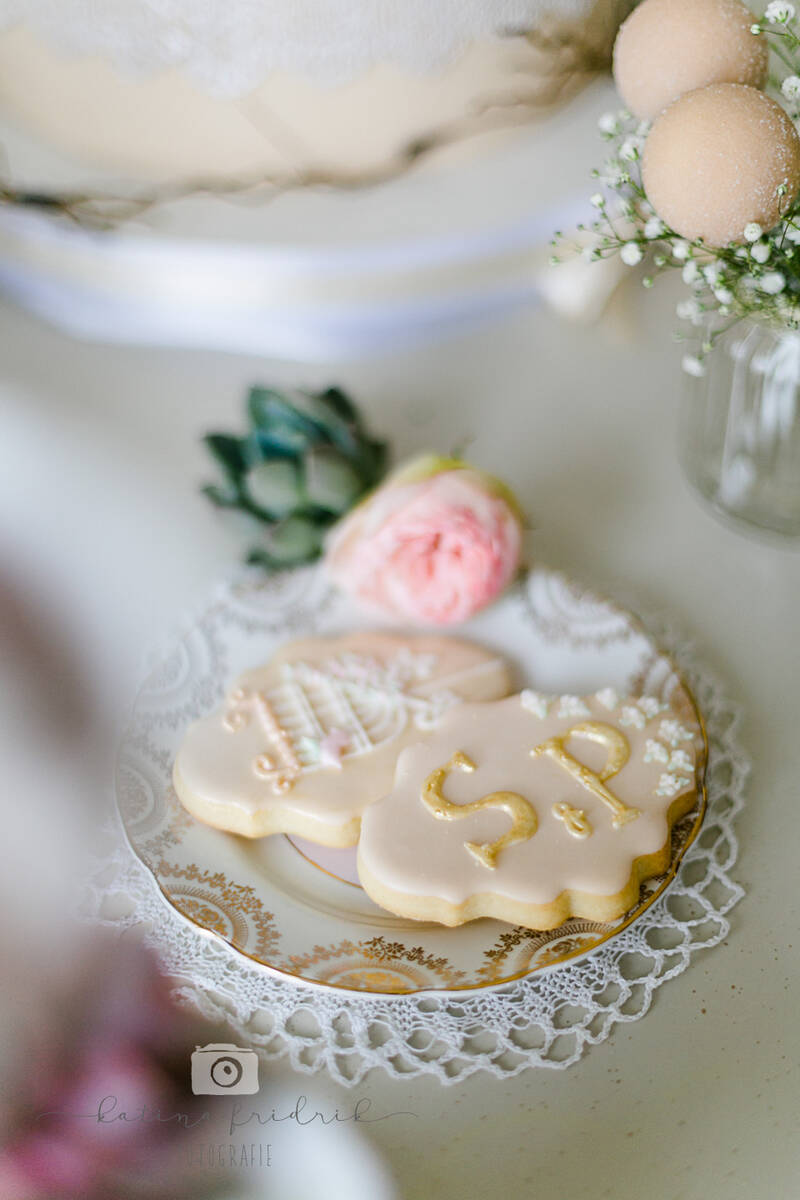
[(210, 126), (337, 88)]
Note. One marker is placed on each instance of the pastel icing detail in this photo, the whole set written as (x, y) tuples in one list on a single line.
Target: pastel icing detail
[(633, 716), (304, 743), (670, 784), (608, 697), (655, 751), (535, 702), (674, 733), (601, 791), (572, 706)]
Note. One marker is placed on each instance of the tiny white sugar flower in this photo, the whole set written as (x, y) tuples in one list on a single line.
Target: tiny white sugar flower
[(693, 366), (597, 200), (752, 231), (535, 702), (772, 283), (631, 254), (680, 250), (680, 760), (650, 706), (608, 697), (655, 751), (691, 272), (674, 733), (607, 123), (654, 228), (633, 716), (791, 87), (724, 295), (572, 706), (760, 251), (779, 12), (670, 785)]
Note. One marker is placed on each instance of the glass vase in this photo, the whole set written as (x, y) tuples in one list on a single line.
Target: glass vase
[(741, 428)]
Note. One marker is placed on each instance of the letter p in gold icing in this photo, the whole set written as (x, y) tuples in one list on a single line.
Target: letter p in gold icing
[(618, 751)]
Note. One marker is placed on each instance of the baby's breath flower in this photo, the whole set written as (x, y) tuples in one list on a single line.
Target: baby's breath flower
[(630, 149), (793, 233), (772, 283), (689, 310), (760, 252), (724, 295), (680, 250), (654, 228), (631, 254), (598, 200), (692, 365), (752, 231), (608, 123), (691, 272), (712, 274), (779, 13), (791, 87), (590, 254), (755, 28)]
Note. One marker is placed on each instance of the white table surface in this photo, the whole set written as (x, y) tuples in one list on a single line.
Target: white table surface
[(100, 463)]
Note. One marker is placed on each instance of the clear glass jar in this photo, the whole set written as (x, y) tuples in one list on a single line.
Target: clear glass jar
[(741, 427)]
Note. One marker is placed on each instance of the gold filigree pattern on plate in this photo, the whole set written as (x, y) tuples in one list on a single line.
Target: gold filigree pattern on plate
[(231, 910), (375, 965)]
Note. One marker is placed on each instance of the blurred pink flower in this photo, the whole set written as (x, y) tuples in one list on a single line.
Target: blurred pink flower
[(437, 542), (105, 1098)]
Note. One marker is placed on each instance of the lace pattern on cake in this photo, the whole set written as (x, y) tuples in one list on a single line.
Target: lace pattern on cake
[(230, 48)]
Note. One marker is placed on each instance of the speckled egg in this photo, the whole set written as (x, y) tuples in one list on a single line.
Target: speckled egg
[(668, 47), (714, 160)]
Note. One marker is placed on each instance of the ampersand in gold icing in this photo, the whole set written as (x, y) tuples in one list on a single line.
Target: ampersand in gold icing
[(618, 750), (575, 820), (524, 819)]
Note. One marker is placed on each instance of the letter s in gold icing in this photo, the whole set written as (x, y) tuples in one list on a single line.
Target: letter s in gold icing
[(524, 819), (619, 752)]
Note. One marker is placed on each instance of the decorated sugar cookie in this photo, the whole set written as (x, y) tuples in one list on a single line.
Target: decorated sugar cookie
[(303, 744), (532, 809)]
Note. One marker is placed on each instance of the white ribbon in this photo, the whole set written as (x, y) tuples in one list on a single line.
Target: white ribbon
[(283, 302)]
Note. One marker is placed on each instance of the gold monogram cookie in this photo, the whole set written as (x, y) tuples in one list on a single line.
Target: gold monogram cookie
[(532, 809), (305, 743)]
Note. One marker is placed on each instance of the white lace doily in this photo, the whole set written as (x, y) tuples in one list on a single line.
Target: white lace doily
[(548, 1019), (228, 48)]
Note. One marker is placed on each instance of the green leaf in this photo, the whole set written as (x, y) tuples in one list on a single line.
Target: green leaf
[(220, 497), (228, 453), (275, 486), (331, 482), (271, 411), (293, 540), (341, 404)]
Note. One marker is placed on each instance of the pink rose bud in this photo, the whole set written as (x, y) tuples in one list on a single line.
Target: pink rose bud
[(434, 544)]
